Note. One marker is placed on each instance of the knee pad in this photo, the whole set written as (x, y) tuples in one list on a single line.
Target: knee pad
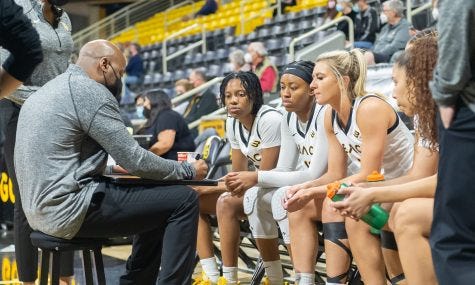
[(280, 214), (257, 206), (388, 241)]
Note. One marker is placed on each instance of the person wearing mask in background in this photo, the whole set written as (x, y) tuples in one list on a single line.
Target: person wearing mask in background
[(54, 27), (68, 200), (261, 65), (134, 71), (237, 61), (182, 86), (393, 36), (331, 13), (345, 7), (202, 103), (18, 36), (169, 130), (366, 25)]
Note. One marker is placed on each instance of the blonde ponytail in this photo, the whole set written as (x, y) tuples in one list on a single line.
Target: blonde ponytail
[(347, 63)]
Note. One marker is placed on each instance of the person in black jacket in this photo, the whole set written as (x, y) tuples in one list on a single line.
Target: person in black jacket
[(366, 25), (18, 36), (200, 104), (170, 133)]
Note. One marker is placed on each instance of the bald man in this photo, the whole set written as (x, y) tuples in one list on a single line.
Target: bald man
[(62, 148)]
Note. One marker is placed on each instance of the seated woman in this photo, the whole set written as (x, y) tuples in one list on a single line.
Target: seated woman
[(303, 157), (360, 127), (253, 130), (410, 220), (170, 133)]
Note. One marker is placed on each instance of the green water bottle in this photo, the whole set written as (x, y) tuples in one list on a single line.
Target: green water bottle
[(376, 217), (375, 176)]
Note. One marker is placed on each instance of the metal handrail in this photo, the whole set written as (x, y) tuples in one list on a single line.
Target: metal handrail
[(196, 90), (196, 123), (201, 42), (411, 13), (262, 12), (122, 20), (351, 35)]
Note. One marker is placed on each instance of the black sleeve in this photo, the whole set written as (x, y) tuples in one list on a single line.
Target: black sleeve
[(166, 121), (207, 105), (18, 36)]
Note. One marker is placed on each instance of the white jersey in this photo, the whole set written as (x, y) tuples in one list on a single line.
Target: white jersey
[(303, 153), (264, 133), (304, 135), (399, 150)]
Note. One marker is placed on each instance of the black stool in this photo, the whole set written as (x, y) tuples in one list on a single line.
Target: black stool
[(53, 245)]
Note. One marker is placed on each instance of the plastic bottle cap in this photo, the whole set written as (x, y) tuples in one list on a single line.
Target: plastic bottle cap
[(374, 177), (332, 189)]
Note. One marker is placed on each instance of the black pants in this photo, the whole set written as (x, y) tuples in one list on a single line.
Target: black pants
[(164, 222), (26, 254), (452, 237)]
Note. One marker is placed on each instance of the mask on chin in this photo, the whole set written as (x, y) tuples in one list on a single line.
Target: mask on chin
[(116, 87), (58, 2)]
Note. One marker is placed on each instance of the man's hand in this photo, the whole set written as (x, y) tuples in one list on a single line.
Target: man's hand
[(201, 169), (357, 202), (447, 114), (238, 182)]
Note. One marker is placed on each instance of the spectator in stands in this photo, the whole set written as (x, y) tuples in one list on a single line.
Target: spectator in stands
[(182, 86), (261, 65), (366, 25), (54, 27), (201, 103), (331, 13), (236, 59), (72, 133), (393, 36), (134, 72), (169, 130), (345, 7), (284, 4), (209, 7)]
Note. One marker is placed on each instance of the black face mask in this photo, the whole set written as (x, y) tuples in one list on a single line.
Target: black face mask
[(58, 2), (146, 113), (116, 88)]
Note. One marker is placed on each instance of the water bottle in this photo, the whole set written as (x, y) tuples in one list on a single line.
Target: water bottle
[(375, 176), (376, 217)]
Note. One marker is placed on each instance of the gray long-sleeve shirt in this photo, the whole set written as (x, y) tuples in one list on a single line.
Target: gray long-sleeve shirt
[(392, 38), (61, 146), (56, 44), (454, 74)]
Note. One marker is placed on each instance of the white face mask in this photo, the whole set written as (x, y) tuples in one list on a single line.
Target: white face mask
[(383, 18), (248, 57), (435, 13)]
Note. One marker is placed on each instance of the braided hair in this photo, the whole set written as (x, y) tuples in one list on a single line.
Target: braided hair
[(251, 84)]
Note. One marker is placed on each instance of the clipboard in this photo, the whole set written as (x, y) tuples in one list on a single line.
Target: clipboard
[(125, 179)]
